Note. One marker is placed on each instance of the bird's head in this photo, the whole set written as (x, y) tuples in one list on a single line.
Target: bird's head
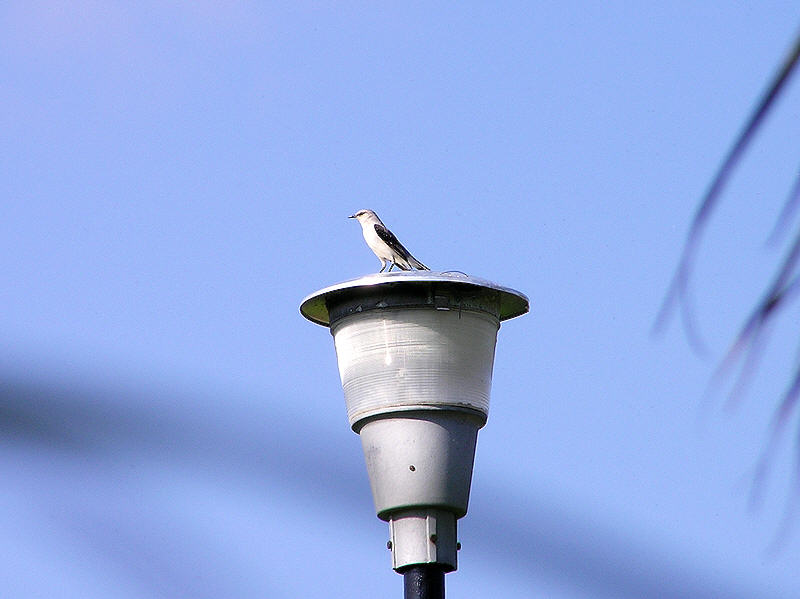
[(362, 215)]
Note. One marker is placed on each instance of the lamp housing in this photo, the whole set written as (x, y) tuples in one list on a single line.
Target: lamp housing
[(415, 351)]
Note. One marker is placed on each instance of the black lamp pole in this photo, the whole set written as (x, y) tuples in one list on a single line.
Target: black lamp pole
[(425, 581)]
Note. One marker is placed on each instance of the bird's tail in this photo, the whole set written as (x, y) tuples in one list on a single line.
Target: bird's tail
[(416, 263)]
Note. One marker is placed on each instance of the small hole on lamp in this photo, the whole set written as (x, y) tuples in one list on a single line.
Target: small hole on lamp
[(412, 468)]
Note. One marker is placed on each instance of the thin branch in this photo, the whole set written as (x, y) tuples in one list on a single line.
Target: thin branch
[(751, 332), (790, 511), (677, 291), (787, 213), (779, 288), (779, 421), (750, 365)]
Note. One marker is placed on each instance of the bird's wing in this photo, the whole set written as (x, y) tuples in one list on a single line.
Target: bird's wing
[(389, 239)]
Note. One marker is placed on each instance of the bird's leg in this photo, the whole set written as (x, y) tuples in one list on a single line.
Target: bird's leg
[(383, 267), (391, 266)]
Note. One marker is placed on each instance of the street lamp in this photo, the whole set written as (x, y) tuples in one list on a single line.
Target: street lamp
[(415, 351)]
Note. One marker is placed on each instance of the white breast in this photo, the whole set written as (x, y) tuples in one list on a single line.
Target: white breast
[(375, 243)]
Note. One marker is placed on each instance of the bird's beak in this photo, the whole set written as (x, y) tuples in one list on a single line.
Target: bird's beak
[(352, 216)]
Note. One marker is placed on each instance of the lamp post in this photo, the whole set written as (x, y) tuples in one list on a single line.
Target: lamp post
[(415, 351)]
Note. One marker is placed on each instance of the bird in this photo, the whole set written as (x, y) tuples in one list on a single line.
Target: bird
[(386, 246)]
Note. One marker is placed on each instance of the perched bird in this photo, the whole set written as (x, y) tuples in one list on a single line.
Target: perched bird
[(385, 245)]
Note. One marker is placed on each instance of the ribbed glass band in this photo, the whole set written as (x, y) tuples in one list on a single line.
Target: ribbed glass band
[(405, 358)]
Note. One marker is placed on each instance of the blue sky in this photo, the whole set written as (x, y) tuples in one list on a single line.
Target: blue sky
[(175, 178)]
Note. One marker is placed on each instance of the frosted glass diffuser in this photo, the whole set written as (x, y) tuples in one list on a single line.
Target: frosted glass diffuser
[(410, 359)]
